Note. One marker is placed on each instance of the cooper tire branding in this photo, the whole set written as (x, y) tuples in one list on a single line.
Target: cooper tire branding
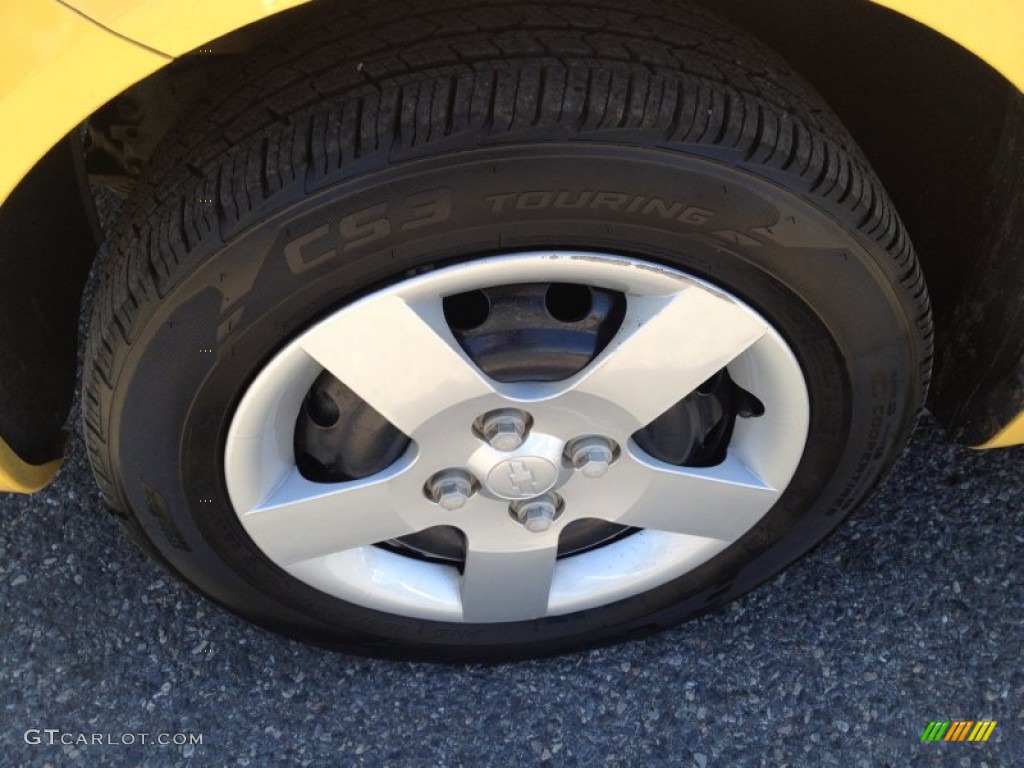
[(365, 227), (597, 200)]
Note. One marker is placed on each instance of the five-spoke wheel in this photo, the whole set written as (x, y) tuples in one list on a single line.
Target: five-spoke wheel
[(512, 465), (489, 332)]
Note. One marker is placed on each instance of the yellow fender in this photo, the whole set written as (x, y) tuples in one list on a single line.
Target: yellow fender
[(993, 30), (61, 61), (18, 476)]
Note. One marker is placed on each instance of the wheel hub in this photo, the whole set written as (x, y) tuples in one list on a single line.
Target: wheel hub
[(522, 477), (514, 333)]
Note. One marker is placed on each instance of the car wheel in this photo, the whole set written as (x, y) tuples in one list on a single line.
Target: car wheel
[(501, 331)]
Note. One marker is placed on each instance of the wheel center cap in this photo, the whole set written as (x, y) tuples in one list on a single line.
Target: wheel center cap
[(522, 477)]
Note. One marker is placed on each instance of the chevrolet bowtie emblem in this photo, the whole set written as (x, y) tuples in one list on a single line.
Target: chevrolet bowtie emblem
[(522, 479)]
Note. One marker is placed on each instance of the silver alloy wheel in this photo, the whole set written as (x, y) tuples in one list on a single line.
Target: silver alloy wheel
[(396, 351)]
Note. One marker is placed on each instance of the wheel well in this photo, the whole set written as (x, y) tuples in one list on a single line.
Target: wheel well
[(927, 113), (48, 237), (933, 119), (945, 133)]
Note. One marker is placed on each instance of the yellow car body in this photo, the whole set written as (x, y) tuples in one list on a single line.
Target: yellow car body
[(61, 61)]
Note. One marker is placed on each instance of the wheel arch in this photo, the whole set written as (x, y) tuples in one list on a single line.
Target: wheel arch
[(964, 217)]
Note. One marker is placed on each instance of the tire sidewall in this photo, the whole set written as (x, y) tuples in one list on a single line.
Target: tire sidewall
[(278, 272)]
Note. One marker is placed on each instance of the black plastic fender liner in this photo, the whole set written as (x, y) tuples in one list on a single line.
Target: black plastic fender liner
[(978, 387), (48, 238)]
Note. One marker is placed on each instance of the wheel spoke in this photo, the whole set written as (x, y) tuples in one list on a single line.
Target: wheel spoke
[(508, 585), (301, 519), (400, 358), (720, 502), (395, 349), (666, 348)]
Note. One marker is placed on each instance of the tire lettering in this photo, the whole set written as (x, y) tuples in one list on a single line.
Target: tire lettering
[(293, 251), (429, 208), (583, 198), (613, 201), (696, 216), (532, 201), (498, 202), (636, 204), (367, 226), (599, 200)]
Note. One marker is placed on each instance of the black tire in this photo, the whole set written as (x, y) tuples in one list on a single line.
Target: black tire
[(485, 112)]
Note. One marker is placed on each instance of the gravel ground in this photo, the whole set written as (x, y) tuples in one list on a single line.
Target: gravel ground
[(911, 613)]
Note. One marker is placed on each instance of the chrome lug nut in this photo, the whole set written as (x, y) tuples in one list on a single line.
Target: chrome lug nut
[(538, 514), (450, 489), (592, 456), (505, 429)]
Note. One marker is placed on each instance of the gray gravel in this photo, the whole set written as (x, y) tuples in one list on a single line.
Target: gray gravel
[(912, 612)]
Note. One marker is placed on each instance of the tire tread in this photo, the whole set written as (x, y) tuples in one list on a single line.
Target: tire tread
[(397, 78)]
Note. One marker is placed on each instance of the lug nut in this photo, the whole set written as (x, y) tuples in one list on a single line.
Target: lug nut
[(592, 455), (538, 514), (451, 489), (505, 429)]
